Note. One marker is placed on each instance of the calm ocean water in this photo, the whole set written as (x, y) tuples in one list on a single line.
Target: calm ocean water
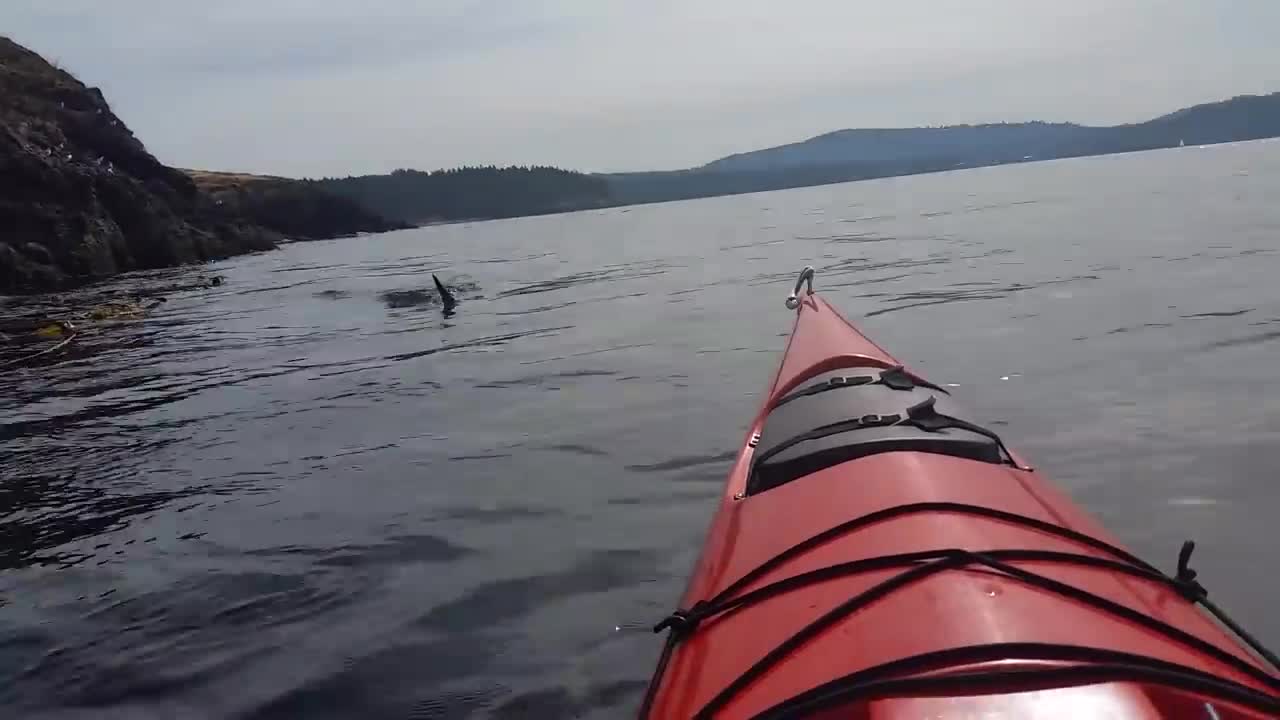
[(307, 493)]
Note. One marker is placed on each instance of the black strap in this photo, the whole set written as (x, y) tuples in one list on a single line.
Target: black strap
[(651, 692), (684, 623), (894, 378), (958, 558), (922, 415), (850, 526), (888, 680), (925, 416), (844, 426), (1193, 591)]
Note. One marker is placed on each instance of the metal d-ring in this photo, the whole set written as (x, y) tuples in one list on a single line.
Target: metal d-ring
[(806, 276)]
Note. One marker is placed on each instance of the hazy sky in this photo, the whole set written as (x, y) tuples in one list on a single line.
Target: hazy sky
[(320, 87)]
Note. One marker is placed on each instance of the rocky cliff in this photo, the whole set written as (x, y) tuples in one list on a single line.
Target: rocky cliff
[(80, 197)]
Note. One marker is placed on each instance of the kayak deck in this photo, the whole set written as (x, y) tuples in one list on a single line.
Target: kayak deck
[(901, 562)]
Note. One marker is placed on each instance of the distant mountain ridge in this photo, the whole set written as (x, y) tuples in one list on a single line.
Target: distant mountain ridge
[(876, 145), (861, 154), (1240, 118), (487, 192), (475, 193)]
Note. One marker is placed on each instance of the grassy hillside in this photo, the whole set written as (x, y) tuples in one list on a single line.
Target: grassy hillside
[(297, 209)]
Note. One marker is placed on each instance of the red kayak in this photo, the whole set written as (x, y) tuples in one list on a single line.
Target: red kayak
[(877, 556)]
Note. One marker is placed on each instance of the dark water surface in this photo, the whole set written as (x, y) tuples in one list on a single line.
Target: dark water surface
[(305, 493)]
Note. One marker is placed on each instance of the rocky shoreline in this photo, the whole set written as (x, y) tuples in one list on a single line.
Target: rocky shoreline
[(81, 198)]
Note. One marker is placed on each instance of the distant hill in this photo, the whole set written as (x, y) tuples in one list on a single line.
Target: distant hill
[(474, 193), (471, 193), (1009, 141), (846, 155)]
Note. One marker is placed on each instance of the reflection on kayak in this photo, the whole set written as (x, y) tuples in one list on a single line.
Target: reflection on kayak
[(877, 554)]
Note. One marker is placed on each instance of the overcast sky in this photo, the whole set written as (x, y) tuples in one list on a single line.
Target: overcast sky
[(320, 87)]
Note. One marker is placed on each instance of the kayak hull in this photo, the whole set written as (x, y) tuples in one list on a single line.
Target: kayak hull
[(962, 620)]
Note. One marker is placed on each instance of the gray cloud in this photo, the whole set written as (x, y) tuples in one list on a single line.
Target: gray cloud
[(311, 87)]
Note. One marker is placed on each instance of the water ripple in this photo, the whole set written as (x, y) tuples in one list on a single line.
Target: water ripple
[(505, 599), (589, 277), (303, 492), (682, 463)]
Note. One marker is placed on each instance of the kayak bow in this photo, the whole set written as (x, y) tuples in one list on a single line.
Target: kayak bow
[(876, 555)]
